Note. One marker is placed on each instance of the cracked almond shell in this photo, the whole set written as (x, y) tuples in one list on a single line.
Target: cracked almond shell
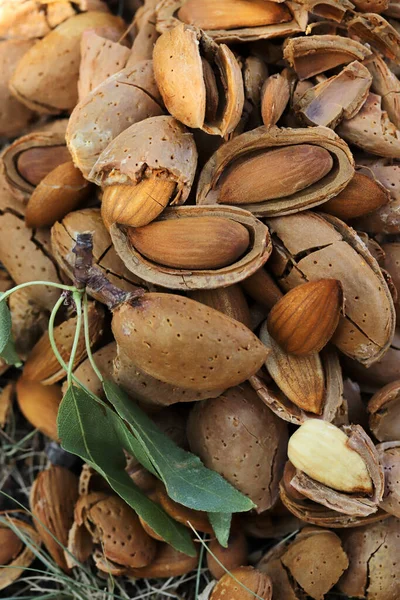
[(337, 98), (177, 57), (315, 54), (31, 157), (52, 501), (376, 31), (386, 84), (265, 139), (373, 553), (150, 390), (383, 409), (306, 385), (312, 246), (240, 438), (42, 365), (314, 561), (173, 339), (353, 504), (389, 455), (64, 236), (29, 321), (26, 258), (166, 12), (157, 144), (15, 556), (127, 97), (116, 527), (46, 77), (101, 57), (371, 130), (188, 279)]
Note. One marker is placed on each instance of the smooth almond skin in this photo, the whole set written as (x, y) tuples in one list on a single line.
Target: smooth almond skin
[(360, 197), (34, 164), (255, 581), (167, 563), (274, 174), (182, 514), (305, 319), (52, 501), (46, 78), (262, 287), (39, 405), (173, 339), (232, 14), (60, 192), (320, 450), (232, 557), (192, 243)]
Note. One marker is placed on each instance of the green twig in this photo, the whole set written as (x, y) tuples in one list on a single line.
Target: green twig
[(77, 298), (51, 333), (87, 338), (60, 286)]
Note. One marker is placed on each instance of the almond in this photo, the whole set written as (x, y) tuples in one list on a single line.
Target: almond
[(39, 405), (275, 174), (229, 300), (182, 514), (167, 563), (305, 319), (57, 194), (242, 584), (52, 500), (42, 365), (192, 243), (34, 164), (15, 557), (232, 14), (321, 450), (360, 197), (231, 557)]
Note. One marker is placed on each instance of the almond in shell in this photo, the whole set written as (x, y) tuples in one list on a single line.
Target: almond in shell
[(52, 500), (242, 584), (39, 405), (15, 555)]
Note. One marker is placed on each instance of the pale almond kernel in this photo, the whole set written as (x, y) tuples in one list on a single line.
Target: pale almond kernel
[(275, 174)]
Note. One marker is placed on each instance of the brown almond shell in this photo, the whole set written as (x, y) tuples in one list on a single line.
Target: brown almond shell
[(14, 569), (53, 136), (166, 19), (375, 30), (383, 408), (371, 130), (177, 57), (52, 501), (256, 439), (26, 259), (389, 455), (287, 410), (46, 77), (373, 553), (155, 144), (152, 391), (183, 279), (126, 97), (312, 246), (264, 138), (330, 50)]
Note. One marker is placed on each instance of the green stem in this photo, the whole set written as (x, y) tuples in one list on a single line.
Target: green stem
[(60, 286), (77, 297), (87, 338), (51, 333)]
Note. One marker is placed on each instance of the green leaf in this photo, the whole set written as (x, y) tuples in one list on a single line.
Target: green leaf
[(187, 480), (10, 354), (221, 523), (5, 325), (88, 428)]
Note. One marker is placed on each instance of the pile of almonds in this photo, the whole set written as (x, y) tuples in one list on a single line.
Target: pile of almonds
[(237, 164)]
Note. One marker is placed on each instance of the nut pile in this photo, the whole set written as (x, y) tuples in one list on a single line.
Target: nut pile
[(235, 165)]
